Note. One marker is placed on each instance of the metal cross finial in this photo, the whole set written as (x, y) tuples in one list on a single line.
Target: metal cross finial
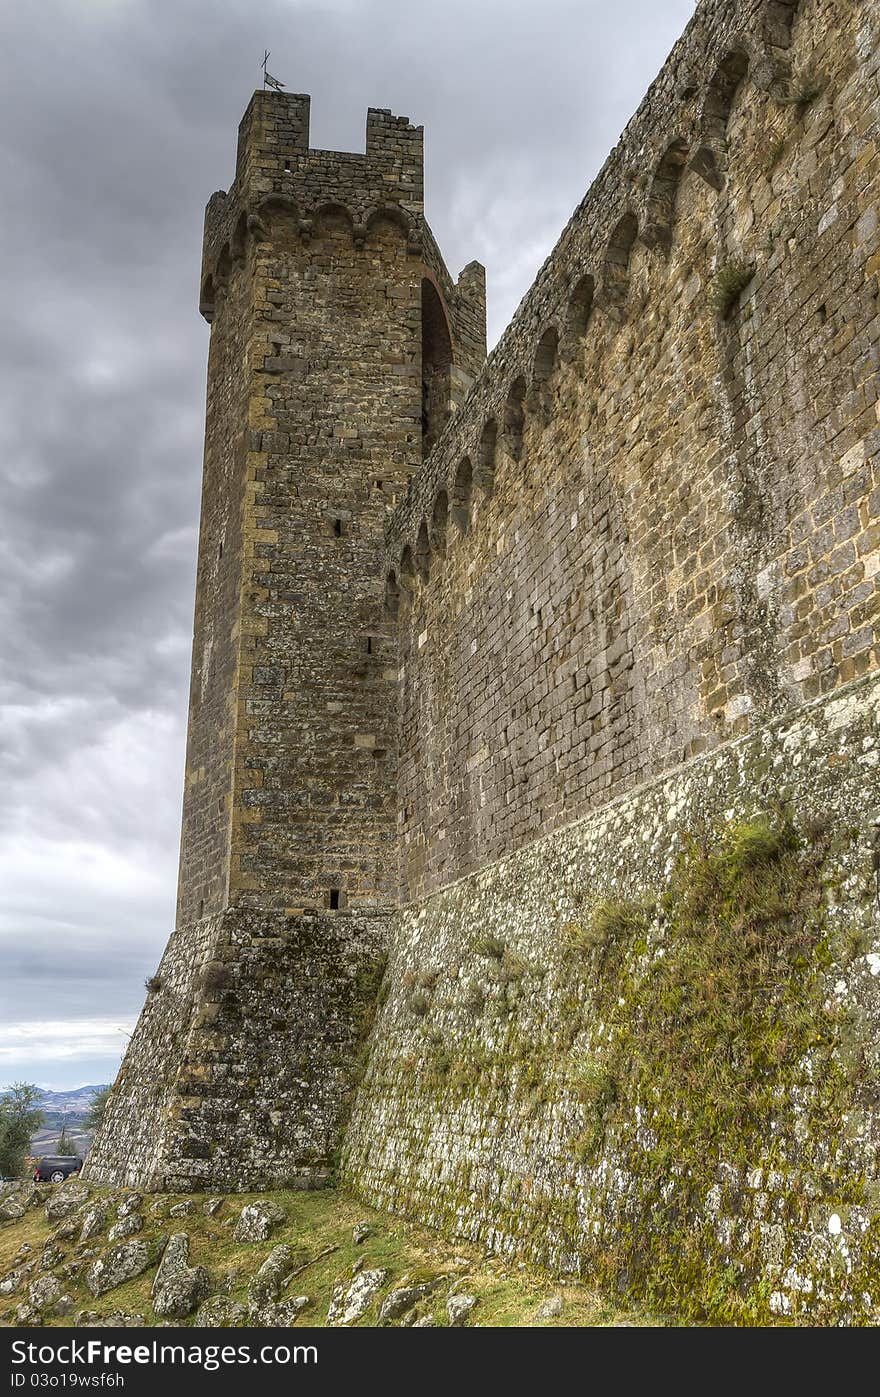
[(268, 80)]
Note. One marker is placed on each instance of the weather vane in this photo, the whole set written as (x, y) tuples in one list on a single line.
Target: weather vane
[(268, 80)]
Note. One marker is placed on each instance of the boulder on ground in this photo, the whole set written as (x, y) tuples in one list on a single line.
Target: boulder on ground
[(117, 1319), (93, 1221), (350, 1301), (360, 1233), (66, 1198), (44, 1291), (178, 1288), (120, 1264), (11, 1282), (550, 1309), (286, 1312), (398, 1302), (15, 1205), (257, 1221), (130, 1204), (127, 1226), (66, 1230), (182, 1210), (219, 1312), (458, 1307), (266, 1286), (212, 1206)]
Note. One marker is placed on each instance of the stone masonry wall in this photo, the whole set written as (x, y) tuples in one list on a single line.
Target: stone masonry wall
[(324, 384), (312, 282), (472, 1119), (654, 523), (240, 1071)]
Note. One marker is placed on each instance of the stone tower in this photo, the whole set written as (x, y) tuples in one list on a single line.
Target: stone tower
[(339, 346)]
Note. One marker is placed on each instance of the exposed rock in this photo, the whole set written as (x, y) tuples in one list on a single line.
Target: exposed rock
[(16, 1204), (458, 1307), (361, 1232), (549, 1309), (10, 1283), (213, 1205), (66, 1231), (288, 1311), (63, 1305), (121, 1263), (221, 1313), (350, 1301), (93, 1221), (27, 1315), (51, 1257), (178, 1287), (266, 1286), (232, 1280), (257, 1220), (157, 1209), (125, 1227), (66, 1198), (280, 1316), (182, 1210), (425, 1322), (117, 1319), (44, 1291), (130, 1204), (397, 1302)]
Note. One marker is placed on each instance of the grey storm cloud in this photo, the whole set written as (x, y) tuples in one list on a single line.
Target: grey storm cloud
[(118, 119)]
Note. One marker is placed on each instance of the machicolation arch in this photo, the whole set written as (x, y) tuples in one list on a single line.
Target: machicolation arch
[(615, 272)]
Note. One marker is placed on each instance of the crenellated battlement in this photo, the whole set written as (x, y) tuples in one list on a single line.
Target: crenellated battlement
[(276, 169)]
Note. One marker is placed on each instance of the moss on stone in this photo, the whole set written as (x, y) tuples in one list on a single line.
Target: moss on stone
[(722, 1046)]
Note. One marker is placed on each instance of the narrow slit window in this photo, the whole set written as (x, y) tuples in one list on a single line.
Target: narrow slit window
[(334, 899), (338, 528)]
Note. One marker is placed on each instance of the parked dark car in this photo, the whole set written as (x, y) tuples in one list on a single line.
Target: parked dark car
[(54, 1168)]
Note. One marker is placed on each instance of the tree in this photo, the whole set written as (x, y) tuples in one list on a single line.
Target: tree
[(66, 1143), (95, 1114), (19, 1119)]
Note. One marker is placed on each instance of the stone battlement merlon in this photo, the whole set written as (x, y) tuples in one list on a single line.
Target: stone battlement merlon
[(275, 165), (679, 125)]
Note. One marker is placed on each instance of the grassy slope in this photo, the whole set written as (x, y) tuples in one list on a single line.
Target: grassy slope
[(508, 1294)]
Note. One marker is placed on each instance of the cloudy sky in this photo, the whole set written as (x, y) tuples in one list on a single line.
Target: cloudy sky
[(117, 120)]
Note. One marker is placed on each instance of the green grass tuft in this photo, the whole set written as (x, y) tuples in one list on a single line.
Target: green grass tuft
[(728, 284)]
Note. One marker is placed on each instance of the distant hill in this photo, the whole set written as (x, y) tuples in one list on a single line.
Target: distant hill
[(65, 1109)]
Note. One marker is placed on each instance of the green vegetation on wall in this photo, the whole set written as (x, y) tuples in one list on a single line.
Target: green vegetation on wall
[(719, 1046)]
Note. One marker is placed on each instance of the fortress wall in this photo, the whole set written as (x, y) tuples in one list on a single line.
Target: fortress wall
[(635, 587), (653, 524), (517, 1095), (240, 1069)]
